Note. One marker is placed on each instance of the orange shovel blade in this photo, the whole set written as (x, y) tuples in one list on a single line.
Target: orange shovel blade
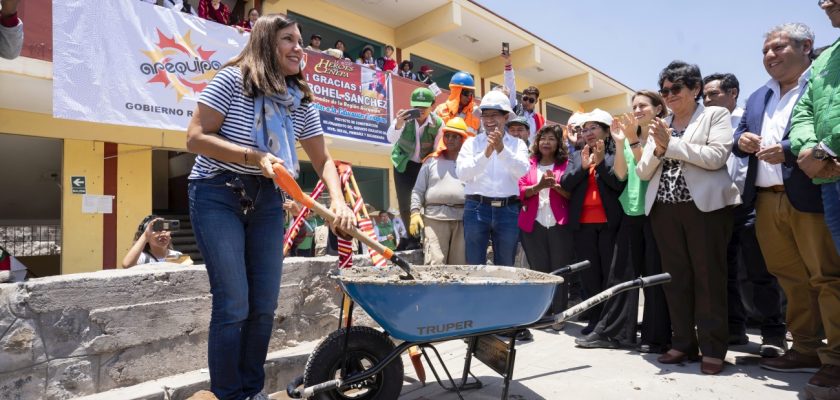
[(287, 182)]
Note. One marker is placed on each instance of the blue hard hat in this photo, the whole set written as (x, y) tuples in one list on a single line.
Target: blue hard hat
[(463, 79)]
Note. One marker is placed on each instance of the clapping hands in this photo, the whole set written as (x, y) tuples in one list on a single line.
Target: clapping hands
[(661, 134), (494, 142), (592, 157)]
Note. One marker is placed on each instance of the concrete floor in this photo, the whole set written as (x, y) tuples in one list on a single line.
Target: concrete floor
[(551, 367)]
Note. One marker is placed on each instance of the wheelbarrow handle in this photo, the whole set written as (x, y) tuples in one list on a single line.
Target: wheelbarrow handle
[(571, 268), (610, 292), (655, 279), (290, 186)]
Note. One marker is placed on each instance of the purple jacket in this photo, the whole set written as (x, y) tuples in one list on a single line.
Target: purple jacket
[(530, 206)]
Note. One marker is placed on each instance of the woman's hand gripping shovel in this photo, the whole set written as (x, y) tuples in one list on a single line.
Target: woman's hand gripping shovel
[(290, 186)]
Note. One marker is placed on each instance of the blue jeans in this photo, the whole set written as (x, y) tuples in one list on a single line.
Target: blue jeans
[(831, 205), (244, 258), (500, 225)]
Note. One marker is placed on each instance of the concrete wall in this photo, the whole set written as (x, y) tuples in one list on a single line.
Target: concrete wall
[(72, 335)]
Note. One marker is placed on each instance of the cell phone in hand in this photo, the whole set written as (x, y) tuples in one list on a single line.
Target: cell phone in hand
[(166, 225), (506, 48), (412, 113)]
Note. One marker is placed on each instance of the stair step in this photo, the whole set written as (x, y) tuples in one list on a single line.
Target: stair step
[(179, 243), (188, 249)]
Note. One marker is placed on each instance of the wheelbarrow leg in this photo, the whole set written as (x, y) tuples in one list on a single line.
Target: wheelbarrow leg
[(511, 359), (468, 365), (348, 324), (453, 386)]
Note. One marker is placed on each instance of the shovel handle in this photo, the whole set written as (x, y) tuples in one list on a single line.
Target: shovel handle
[(290, 186)]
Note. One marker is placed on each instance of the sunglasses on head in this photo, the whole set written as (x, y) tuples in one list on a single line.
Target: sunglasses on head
[(245, 202), (526, 99), (674, 89), (824, 2)]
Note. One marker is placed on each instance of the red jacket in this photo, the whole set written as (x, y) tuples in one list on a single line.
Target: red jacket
[(539, 120), (530, 206), (206, 11)]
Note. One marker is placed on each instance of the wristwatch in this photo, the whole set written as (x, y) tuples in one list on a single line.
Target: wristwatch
[(820, 153)]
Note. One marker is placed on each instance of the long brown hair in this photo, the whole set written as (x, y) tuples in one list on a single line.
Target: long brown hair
[(261, 72), (562, 153), (655, 100)]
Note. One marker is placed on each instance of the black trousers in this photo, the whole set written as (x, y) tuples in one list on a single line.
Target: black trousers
[(766, 298), (548, 249), (636, 255), (404, 183), (596, 243), (692, 244), (310, 252)]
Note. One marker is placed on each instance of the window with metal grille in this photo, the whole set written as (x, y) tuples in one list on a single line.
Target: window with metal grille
[(31, 240)]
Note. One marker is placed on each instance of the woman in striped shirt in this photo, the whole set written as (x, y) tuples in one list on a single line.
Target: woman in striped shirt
[(248, 119)]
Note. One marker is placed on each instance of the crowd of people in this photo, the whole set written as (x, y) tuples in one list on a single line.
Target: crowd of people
[(212, 10), (688, 183)]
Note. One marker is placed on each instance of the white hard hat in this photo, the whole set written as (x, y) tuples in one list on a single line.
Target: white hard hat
[(495, 100), (597, 115), (576, 119)]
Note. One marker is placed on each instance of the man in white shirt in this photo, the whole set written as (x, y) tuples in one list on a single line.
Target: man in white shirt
[(790, 226), (766, 303), (490, 165)]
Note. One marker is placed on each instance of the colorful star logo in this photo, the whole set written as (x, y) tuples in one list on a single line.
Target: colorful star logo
[(178, 63)]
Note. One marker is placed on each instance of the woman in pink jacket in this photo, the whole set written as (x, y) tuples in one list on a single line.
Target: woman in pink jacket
[(546, 239)]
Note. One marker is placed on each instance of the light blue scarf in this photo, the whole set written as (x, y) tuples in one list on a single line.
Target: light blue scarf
[(274, 130)]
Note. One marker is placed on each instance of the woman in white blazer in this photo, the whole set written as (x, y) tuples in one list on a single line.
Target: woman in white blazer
[(688, 201)]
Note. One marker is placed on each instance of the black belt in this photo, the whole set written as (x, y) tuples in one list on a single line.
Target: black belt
[(494, 201), (774, 189), (447, 205)]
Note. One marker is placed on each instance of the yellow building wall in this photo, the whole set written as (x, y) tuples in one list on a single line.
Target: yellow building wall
[(341, 18), (336, 16), (44, 125), (134, 194), (81, 239), (446, 57)]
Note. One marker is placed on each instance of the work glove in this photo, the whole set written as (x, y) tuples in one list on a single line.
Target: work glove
[(416, 224)]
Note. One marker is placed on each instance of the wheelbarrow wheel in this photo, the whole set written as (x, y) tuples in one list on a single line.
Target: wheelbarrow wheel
[(366, 347)]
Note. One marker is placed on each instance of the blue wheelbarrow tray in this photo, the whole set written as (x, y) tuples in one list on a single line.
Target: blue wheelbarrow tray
[(449, 300)]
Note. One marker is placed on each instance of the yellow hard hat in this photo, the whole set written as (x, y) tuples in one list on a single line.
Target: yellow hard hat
[(456, 125)]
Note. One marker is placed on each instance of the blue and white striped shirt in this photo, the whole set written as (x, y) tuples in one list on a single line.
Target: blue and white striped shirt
[(224, 94)]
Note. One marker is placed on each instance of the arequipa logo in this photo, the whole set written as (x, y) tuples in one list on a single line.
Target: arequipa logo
[(179, 63)]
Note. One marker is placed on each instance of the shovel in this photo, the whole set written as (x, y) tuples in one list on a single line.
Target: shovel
[(290, 186)]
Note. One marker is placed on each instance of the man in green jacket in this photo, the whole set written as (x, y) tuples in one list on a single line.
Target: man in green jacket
[(815, 139), (414, 137), (815, 126)]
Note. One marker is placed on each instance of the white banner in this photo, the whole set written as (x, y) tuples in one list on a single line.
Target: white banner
[(128, 62)]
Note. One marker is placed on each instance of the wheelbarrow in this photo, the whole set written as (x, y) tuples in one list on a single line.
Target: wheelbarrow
[(441, 303), (424, 305)]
